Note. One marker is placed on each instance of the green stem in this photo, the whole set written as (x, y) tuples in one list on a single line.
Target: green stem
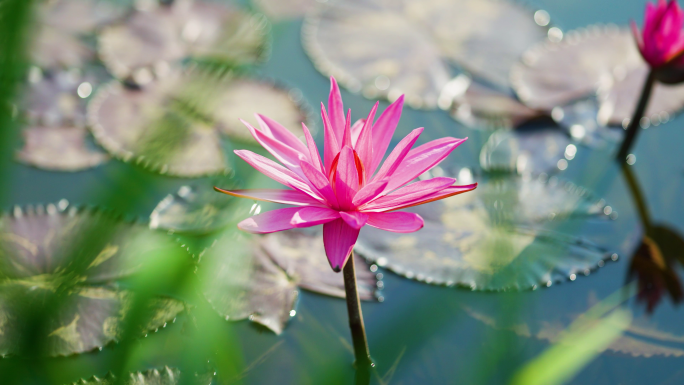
[(635, 123), (358, 330)]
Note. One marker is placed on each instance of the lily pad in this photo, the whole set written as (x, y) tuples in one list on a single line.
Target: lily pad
[(494, 239), (37, 261), (533, 150), (386, 48), (80, 16), (478, 106), (259, 279), (53, 48), (196, 209), (167, 126), (600, 61), (164, 376), (156, 38), (56, 136), (302, 256)]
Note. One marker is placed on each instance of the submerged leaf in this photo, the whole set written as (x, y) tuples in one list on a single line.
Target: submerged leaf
[(258, 280), (152, 40), (164, 376), (386, 48), (601, 61), (496, 238), (526, 150)]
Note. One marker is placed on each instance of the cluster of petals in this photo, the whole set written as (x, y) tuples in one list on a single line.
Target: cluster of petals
[(349, 188), (662, 40)]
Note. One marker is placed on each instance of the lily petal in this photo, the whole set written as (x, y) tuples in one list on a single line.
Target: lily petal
[(270, 221), (276, 172), (369, 192), (336, 110), (410, 194), (398, 155), (421, 159), (339, 239), (321, 183), (280, 133), (397, 222), (446, 193), (364, 146), (331, 146), (312, 216), (285, 154), (354, 219), (285, 197), (346, 179), (313, 149), (356, 131), (383, 130)]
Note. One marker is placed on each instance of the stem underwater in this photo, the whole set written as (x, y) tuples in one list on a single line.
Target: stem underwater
[(358, 330)]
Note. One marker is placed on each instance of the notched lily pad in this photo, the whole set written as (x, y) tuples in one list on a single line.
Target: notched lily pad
[(533, 150), (37, 261), (386, 48), (495, 238), (600, 60), (154, 39), (163, 376), (258, 279)]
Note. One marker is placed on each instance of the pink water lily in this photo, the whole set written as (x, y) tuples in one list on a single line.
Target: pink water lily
[(662, 39), (346, 191)]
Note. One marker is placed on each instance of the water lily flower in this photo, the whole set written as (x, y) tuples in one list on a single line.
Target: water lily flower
[(661, 42), (350, 187)]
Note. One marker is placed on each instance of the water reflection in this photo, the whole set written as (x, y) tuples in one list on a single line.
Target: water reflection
[(661, 250)]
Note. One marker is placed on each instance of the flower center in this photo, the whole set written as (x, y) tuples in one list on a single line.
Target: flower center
[(360, 170)]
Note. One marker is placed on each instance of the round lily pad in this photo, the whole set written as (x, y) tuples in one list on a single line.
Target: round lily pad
[(495, 238), (167, 126), (258, 278), (533, 150), (55, 108), (163, 376), (386, 48), (152, 40), (601, 61)]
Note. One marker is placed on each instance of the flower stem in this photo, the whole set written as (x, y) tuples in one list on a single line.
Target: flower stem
[(358, 331), (635, 122)]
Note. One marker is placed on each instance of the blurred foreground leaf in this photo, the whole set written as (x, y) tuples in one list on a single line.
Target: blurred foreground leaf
[(164, 376)]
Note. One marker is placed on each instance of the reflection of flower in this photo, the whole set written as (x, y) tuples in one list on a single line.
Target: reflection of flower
[(662, 40), (344, 192), (653, 267)]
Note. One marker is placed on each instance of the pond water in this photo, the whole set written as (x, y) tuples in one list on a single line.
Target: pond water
[(423, 333)]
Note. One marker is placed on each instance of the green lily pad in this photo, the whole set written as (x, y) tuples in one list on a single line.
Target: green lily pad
[(386, 48), (163, 376), (154, 39), (495, 238), (258, 278), (600, 61)]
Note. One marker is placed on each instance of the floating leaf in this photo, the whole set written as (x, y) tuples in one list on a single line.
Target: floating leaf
[(245, 97), (386, 48), (258, 280), (80, 16), (164, 376), (526, 150), (53, 48), (56, 136), (196, 209), (493, 239), (302, 256), (167, 126), (286, 9), (599, 60), (478, 106), (153, 39), (243, 282)]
